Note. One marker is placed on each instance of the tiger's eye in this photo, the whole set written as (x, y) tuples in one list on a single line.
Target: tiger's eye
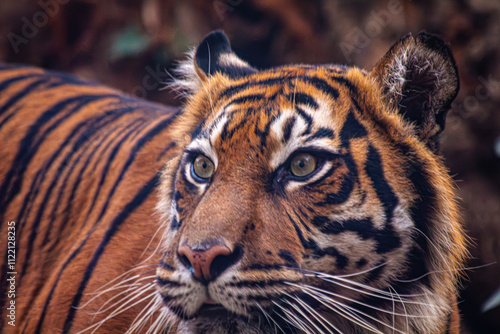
[(203, 167), (303, 164)]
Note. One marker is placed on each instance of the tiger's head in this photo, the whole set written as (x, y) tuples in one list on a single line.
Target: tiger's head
[(311, 199)]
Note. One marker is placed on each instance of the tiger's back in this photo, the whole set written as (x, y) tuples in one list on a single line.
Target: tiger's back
[(79, 167)]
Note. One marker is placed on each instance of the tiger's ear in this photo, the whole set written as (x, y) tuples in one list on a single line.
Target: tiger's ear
[(214, 54), (419, 79)]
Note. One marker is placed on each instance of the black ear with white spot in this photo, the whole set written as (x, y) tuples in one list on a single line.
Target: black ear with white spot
[(419, 78), (214, 54)]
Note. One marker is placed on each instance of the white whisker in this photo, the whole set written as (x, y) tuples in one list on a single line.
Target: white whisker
[(359, 302), (269, 317), (140, 290), (128, 287), (298, 309), (316, 314), (358, 311), (292, 319), (337, 308)]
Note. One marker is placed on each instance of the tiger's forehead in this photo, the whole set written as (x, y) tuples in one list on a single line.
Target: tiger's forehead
[(278, 113)]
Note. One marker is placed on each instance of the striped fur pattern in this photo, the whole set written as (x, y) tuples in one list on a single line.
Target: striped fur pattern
[(369, 241), (78, 174)]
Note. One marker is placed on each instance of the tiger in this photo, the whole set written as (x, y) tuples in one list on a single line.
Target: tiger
[(296, 199)]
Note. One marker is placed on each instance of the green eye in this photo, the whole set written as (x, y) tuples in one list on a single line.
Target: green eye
[(203, 167), (302, 165)]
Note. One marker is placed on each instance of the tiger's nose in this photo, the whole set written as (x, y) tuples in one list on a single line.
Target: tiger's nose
[(207, 263)]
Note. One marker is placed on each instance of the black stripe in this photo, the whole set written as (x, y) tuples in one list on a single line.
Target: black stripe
[(258, 266), (92, 127), (288, 258), (138, 145), (162, 282), (197, 131), (24, 91), (263, 134), (132, 127), (139, 198), (8, 117), (374, 170), (165, 151), (335, 165), (322, 133), (31, 143), (300, 219), (27, 149), (343, 81), (342, 260), (246, 98), (421, 212), (224, 135), (5, 85), (364, 228), (351, 129), (321, 85), (389, 201), (158, 128), (257, 284), (303, 98), (237, 88), (307, 119), (347, 187), (305, 243), (110, 159), (288, 127)]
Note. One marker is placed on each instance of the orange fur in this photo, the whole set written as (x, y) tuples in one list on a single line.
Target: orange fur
[(81, 178)]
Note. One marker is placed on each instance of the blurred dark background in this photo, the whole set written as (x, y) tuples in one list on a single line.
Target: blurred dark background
[(129, 44)]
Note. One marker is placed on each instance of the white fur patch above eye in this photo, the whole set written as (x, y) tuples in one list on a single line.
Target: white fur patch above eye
[(295, 142), (217, 128), (204, 145), (321, 118)]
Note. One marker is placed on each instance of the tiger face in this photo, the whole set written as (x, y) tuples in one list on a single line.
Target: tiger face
[(310, 199)]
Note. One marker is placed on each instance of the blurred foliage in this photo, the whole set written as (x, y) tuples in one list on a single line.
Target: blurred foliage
[(128, 44)]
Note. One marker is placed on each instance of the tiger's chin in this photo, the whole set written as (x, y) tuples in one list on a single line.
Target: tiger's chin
[(215, 319)]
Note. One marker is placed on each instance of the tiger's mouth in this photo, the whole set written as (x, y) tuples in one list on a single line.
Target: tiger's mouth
[(211, 311)]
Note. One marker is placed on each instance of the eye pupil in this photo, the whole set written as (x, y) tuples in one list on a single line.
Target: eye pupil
[(302, 165), (202, 167)]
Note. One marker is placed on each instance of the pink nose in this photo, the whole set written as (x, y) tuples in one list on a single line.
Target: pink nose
[(201, 262)]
